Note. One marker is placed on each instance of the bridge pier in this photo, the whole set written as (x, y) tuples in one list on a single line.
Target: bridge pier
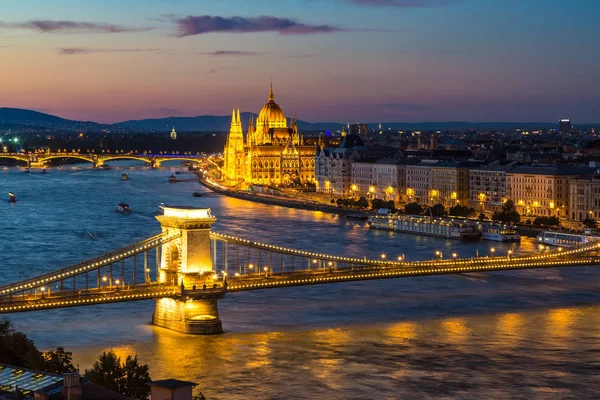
[(186, 262), (195, 314), (154, 163)]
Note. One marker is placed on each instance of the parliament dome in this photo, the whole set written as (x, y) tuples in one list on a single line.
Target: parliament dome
[(271, 114)]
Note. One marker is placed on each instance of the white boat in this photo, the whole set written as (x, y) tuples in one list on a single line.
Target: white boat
[(564, 239), (499, 233), (11, 197), (123, 208), (428, 226)]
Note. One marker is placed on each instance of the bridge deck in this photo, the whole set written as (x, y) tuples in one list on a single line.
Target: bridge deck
[(237, 284)]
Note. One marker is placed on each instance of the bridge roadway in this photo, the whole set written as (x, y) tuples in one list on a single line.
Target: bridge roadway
[(29, 302)]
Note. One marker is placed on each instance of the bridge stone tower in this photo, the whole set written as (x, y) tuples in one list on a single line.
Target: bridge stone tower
[(186, 262)]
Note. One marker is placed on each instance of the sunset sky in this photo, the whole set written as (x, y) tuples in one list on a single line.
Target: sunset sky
[(330, 60)]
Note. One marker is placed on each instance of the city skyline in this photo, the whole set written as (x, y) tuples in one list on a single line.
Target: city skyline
[(335, 60)]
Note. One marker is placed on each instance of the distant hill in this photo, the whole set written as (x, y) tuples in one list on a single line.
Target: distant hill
[(19, 116), (211, 123), (16, 115), (216, 123)]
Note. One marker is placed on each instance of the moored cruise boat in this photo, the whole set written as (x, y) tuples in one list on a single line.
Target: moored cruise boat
[(428, 226), (564, 239), (499, 233)]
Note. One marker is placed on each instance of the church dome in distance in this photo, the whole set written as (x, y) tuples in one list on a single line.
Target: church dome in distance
[(271, 114)]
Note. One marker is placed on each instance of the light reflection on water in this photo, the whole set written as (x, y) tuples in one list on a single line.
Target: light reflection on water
[(517, 334)]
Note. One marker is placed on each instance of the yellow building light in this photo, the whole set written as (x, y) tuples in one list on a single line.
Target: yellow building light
[(327, 184), (520, 202), (481, 196), (454, 195), (536, 203), (372, 189), (551, 204), (354, 187), (389, 190), (410, 192), (434, 193)]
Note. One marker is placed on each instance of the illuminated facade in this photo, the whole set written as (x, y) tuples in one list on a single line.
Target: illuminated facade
[(334, 166), (272, 153), (584, 197), (487, 186), (541, 191)]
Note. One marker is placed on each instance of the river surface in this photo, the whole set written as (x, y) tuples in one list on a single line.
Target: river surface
[(512, 334)]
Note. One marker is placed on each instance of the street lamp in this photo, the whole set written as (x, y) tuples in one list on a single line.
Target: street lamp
[(492, 250), (383, 256), (510, 253), (104, 279), (454, 255), (437, 254), (266, 269)]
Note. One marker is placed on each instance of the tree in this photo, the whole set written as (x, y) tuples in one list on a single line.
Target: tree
[(482, 217), (413, 208), (17, 349), (58, 361), (508, 206), (590, 223), (199, 396), (136, 377), (436, 210), (339, 202), (129, 378), (461, 211), (378, 203), (508, 214), (106, 371), (362, 203), (546, 221)]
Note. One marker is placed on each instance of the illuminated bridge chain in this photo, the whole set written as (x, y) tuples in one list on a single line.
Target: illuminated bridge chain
[(131, 267)]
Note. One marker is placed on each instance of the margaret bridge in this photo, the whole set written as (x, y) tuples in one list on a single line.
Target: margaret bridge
[(188, 267), (39, 160)]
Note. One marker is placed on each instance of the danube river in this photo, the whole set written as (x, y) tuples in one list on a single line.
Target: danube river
[(520, 334)]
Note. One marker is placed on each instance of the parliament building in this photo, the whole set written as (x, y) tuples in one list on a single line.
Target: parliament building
[(271, 153)]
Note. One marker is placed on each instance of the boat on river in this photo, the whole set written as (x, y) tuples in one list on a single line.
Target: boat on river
[(197, 194), (357, 215), (123, 208), (172, 179), (124, 177), (11, 197), (427, 226), (499, 232), (550, 238)]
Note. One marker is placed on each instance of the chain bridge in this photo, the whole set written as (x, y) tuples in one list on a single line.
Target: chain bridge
[(39, 160), (188, 267)]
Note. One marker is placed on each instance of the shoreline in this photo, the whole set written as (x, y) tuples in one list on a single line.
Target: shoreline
[(271, 200)]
